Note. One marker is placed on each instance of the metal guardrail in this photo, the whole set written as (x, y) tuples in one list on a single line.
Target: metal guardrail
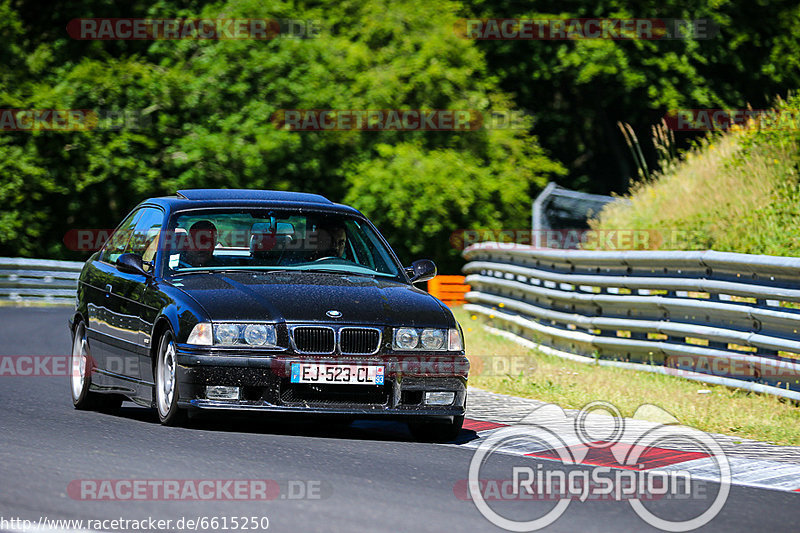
[(713, 316), (38, 280)]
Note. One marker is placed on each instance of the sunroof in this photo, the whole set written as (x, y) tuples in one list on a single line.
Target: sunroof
[(251, 194)]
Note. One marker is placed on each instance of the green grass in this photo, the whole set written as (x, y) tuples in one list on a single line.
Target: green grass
[(733, 192), (501, 365)]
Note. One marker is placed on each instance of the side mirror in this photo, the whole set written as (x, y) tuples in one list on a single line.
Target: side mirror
[(421, 270), (131, 264)]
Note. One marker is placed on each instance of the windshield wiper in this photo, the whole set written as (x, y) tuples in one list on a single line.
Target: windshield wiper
[(334, 271), (317, 270), (221, 270)]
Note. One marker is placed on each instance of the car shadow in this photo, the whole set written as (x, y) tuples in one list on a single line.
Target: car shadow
[(291, 425)]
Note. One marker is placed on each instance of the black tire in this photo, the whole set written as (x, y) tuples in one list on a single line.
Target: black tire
[(166, 383), (434, 431), (81, 368)]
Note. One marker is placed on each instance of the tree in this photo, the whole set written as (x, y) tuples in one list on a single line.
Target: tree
[(201, 118), (578, 90)]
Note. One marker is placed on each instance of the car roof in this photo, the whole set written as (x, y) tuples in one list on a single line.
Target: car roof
[(199, 198), (251, 194)]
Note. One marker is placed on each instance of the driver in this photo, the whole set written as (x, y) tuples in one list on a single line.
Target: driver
[(202, 241), (339, 241), (331, 242)]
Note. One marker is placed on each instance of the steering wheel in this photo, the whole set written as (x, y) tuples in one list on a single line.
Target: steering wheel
[(326, 257)]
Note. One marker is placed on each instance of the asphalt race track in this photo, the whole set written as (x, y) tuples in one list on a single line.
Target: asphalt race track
[(366, 477)]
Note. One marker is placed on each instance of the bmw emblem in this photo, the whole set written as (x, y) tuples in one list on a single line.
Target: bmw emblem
[(333, 313)]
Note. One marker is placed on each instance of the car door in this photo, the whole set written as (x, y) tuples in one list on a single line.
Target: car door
[(105, 319), (139, 293), (127, 297)]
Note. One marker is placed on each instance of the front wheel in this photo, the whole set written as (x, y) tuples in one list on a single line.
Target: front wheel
[(166, 383), (437, 431)]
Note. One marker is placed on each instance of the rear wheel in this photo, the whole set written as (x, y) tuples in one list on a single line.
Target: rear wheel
[(436, 431), (166, 382), (81, 365)]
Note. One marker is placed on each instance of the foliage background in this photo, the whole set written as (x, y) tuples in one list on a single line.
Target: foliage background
[(208, 104)]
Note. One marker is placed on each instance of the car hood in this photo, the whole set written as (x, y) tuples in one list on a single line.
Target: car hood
[(307, 296)]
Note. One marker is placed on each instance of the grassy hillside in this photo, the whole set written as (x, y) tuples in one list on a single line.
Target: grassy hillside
[(737, 192)]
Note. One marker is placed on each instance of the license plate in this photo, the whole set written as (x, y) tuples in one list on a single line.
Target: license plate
[(345, 374)]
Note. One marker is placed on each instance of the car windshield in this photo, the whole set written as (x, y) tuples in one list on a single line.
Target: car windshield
[(258, 239)]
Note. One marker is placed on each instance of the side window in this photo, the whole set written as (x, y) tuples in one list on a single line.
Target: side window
[(144, 240), (116, 245)]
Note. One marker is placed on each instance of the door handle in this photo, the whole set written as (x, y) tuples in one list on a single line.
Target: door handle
[(108, 290)]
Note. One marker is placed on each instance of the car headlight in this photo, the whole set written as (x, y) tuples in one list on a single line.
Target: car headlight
[(432, 339), (229, 334), (260, 335), (226, 333), (406, 338), (426, 339)]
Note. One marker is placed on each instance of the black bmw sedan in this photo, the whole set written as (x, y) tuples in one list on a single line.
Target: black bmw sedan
[(264, 301)]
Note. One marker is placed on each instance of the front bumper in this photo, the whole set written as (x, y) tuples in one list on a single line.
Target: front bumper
[(264, 384)]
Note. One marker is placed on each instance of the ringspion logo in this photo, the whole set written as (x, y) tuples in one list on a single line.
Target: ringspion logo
[(619, 464)]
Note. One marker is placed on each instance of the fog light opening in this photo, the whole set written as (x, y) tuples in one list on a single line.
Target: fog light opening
[(218, 392), (439, 398)]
